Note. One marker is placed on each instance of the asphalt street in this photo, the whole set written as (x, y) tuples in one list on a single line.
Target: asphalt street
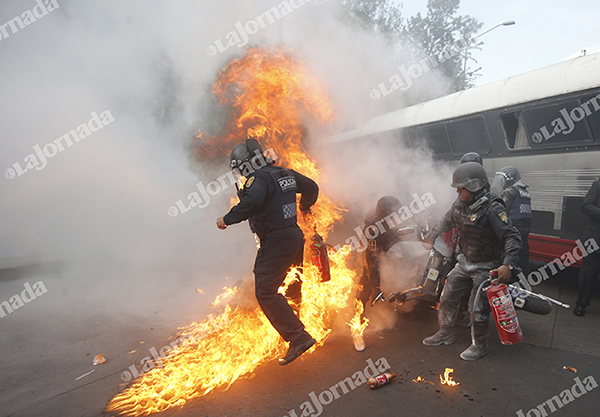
[(48, 344)]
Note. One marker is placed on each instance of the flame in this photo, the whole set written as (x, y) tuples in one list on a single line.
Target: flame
[(358, 324), (419, 379), (447, 379), (268, 94)]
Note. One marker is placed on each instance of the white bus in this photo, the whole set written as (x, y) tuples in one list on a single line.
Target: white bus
[(545, 122)]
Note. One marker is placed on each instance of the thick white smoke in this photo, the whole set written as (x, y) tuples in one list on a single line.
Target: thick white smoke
[(102, 205)]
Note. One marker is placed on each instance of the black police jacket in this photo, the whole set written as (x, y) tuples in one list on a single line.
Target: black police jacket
[(485, 232), (268, 199), (379, 243), (518, 202)]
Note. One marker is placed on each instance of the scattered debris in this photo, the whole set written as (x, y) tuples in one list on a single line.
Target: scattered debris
[(99, 359), (199, 290), (84, 375), (568, 368), (419, 379)]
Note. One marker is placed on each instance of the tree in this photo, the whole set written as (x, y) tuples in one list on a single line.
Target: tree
[(438, 32), (378, 15), (441, 34)]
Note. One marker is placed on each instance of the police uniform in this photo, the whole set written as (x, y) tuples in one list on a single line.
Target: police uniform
[(590, 265), (268, 201), (518, 202), (378, 246), (487, 239)]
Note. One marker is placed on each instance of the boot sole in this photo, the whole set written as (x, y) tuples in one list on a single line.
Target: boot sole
[(284, 361), (445, 342)]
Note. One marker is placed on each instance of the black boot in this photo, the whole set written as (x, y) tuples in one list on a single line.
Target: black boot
[(579, 310)]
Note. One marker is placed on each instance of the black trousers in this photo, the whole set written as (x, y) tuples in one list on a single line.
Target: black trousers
[(278, 250), (588, 277)]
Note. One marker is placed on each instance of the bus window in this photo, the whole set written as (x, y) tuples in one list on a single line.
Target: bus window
[(558, 124), (592, 105), (436, 137), (468, 136), (514, 131)]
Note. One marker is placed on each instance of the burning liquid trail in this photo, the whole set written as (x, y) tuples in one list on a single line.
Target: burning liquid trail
[(265, 92)]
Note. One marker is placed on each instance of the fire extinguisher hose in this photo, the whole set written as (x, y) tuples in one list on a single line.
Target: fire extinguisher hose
[(475, 304)]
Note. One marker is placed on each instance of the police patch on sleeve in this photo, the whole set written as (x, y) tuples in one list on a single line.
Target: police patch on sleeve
[(249, 182), (502, 216)]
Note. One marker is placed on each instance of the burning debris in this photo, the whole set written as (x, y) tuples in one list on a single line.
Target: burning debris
[(447, 379), (266, 92), (99, 359), (419, 379)]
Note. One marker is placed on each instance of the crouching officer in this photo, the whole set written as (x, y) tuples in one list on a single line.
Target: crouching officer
[(268, 201), (488, 243), (370, 282)]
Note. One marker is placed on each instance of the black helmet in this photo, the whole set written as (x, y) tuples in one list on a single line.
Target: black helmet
[(471, 157), (511, 174), (247, 152), (471, 176), (386, 206)]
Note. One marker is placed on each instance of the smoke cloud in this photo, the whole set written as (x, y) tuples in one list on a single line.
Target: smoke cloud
[(101, 206)]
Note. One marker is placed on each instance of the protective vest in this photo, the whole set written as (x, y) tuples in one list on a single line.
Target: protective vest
[(279, 209), (477, 243), (521, 208)]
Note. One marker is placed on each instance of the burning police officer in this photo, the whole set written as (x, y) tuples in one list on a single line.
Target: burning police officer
[(488, 243), (268, 201)]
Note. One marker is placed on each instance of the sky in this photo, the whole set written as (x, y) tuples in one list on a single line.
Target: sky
[(546, 32)]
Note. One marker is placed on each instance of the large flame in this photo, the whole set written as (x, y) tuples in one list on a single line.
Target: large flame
[(268, 93)]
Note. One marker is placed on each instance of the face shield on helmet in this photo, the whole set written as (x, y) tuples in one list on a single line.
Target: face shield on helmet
[(498, 183), (470, 176), (506, 177), (248, 157)]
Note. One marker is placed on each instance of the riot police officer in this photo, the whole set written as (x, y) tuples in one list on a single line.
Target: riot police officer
[(371, 280), (471, 157), (508, 185), (488, 242), (268, 201)]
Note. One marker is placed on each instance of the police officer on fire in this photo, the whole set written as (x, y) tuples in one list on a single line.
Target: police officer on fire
[(268, 201), (488, 243)]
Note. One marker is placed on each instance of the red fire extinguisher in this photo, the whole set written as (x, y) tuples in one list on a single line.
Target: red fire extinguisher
[(320, 258), (505, 315)]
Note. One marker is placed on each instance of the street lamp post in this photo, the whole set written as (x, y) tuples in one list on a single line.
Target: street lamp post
[(507, 23)]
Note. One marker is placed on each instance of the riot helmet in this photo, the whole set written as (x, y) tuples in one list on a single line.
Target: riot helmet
[(471, 157), (471, 176), (386, 206), (506, 177), (248, 157)]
